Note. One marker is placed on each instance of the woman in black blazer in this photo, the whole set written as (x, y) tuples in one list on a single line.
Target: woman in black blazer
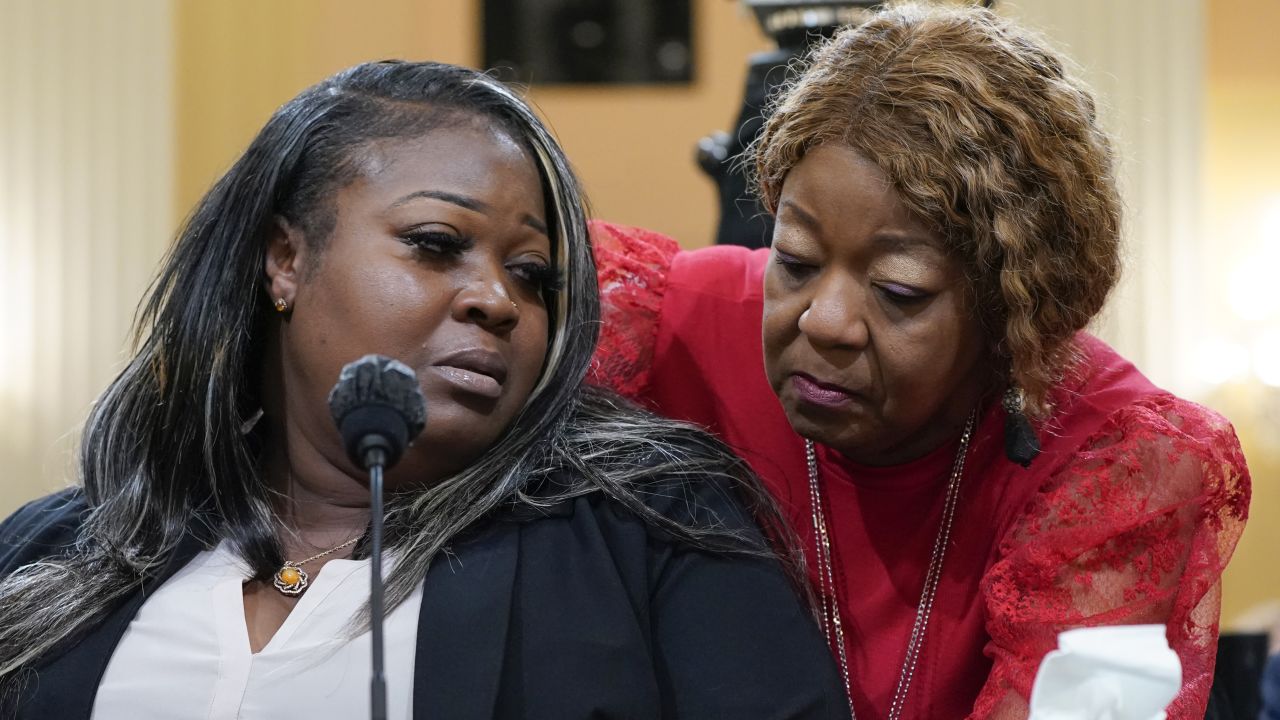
[(567, 555)]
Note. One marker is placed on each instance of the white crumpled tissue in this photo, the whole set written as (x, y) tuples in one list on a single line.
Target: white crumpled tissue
[(1118, 672)]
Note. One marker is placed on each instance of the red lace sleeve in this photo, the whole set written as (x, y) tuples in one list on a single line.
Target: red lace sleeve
[(1137, 529), (632, 267)]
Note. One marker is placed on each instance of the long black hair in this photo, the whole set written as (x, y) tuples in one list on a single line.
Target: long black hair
[(165, 451)]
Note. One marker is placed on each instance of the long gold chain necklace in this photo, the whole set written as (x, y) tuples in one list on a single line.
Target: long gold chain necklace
[(827, 592), (291, 579)]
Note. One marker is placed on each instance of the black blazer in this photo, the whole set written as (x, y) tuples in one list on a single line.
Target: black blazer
[(582, 611)]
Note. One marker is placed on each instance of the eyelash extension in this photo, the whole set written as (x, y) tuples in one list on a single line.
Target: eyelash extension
[(547, 278), (444, 243), (544, 277)]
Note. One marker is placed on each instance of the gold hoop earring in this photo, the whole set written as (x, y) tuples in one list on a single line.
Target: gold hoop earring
[(282, 305)]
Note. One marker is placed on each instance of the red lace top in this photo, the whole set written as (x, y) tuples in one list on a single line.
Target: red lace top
[(1128, 515)]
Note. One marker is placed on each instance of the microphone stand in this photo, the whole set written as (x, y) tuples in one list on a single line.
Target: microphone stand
[(378, 408), (375, 460)]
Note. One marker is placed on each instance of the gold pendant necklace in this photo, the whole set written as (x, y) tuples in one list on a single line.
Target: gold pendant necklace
[(828, 594), (291, 579)]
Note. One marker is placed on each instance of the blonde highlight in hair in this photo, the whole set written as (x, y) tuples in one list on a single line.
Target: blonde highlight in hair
[(985, 135)]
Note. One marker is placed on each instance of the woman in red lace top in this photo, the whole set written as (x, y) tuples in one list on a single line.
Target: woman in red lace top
[(969, 471)]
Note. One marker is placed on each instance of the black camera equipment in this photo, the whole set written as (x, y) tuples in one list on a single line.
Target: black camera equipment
[(794, 25)]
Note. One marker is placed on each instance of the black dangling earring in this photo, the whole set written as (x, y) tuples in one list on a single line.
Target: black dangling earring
[(1020, 442)]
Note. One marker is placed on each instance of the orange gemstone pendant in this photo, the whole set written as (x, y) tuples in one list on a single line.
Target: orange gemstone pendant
[(291, 579)]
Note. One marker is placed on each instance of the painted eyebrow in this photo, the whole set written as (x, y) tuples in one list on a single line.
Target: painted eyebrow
[(888, 241), (804, 216), (468, 203), (906, 243)]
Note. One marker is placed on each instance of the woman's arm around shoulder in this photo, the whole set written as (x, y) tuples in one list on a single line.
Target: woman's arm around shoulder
[(1136, 528), (632, 267), (667, 312)]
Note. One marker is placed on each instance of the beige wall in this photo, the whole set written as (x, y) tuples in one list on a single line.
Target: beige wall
[(1241, 186), (237, 60), (633, 147), (85, 191)]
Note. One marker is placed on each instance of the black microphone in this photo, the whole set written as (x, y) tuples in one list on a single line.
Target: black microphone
[(379, 409)]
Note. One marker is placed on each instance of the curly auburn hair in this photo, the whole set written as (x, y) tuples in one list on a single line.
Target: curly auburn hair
[(985, 135)]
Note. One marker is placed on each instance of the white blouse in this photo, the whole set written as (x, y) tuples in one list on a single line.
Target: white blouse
[(186, 654)]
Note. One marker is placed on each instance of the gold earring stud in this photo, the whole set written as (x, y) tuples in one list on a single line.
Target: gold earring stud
[(282, 305)]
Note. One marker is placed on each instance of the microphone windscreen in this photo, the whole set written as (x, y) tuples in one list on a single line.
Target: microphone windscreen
[(377, 396)]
